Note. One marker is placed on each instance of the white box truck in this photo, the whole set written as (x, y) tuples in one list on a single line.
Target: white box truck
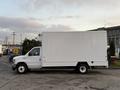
[(80, 50)]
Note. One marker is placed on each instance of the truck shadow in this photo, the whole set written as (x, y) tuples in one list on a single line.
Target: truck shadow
[(64, 72)]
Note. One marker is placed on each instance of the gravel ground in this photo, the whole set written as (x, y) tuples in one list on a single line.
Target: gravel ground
[(98, 79)]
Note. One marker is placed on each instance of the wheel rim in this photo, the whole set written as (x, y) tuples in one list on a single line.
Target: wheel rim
[(83, 69), (21, 69)]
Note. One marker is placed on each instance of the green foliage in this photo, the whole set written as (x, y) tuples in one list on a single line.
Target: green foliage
[(29, 44), (112, 48)]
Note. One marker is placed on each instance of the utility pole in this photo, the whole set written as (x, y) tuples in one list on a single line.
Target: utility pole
[(13, 37), (6, 40), (21, 38)]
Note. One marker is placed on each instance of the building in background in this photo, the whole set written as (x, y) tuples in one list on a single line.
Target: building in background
[(113, 35)]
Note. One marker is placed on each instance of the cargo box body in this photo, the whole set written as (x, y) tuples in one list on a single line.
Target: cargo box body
[(69, 48)]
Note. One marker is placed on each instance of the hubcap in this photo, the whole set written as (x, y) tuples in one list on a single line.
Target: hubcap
[(82, 69), (21, 69)]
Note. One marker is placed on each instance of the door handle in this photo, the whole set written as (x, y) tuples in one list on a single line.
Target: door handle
[(40, 59)]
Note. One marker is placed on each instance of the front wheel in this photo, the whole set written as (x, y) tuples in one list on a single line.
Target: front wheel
[(21, 68), (82, 68)]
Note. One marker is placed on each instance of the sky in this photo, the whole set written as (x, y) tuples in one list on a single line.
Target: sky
[(28, 18)]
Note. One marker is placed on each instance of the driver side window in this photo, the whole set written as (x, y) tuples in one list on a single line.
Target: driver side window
[(34, 52)]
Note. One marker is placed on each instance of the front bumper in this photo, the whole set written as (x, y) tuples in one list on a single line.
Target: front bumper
[(13, 66)]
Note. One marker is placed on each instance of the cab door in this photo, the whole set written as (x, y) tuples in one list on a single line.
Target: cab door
[(33, 58)]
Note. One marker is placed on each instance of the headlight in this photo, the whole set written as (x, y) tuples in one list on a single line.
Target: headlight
[(13, 60)]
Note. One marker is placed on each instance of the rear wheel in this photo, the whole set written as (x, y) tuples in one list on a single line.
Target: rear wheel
[(22, 68), (82, 68)]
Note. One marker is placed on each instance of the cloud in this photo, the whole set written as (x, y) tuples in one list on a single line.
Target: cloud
[(61, 15), (26, 25), (56, 9), (64, 17), (20, 24), (29, 27), (54, 3), (58, 27)]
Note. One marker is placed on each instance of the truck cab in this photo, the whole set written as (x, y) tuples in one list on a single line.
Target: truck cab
[(32, 60)]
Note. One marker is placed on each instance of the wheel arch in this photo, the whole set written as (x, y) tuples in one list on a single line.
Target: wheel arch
[(21, 63), (83, 63)]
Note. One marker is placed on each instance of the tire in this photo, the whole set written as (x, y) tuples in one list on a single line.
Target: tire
[(21, 68), (82, 68)]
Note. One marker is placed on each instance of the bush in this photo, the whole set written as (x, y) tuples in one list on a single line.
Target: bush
[(29, 44)]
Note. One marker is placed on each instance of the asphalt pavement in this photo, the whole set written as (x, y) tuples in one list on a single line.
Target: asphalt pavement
[(98, 79)]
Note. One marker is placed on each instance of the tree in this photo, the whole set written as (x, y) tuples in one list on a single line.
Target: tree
[(29, 44), (112, 48)]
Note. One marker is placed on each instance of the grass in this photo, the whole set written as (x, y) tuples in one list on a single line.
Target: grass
[(116, 63)]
